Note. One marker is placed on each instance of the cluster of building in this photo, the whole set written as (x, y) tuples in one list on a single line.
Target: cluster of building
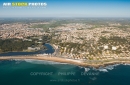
[(75, 33), (95, 50), (73, 26), (18, 30), (78, 36)]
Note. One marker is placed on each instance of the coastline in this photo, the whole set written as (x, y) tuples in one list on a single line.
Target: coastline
[(69, 61), (88, 63)]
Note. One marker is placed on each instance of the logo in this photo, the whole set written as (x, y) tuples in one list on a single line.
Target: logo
[(25, 4)]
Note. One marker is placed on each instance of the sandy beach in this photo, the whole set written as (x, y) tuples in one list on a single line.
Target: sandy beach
[(69, 61), (56, 59)]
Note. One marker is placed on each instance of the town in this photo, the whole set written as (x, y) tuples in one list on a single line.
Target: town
[(92, 41)]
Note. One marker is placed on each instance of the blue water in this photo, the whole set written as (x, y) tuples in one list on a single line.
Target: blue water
[(49, 50), (22, 73)]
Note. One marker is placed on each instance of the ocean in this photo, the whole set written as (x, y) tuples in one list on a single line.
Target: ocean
[(38, 72)]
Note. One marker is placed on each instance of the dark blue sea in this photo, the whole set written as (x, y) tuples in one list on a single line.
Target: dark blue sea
[(34, 72), (39, 72)]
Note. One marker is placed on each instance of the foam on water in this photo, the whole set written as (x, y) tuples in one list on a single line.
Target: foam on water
[(106, 69), (80, 67), (111, 67), (86, 69), (126, 64), (18, 59), (41, 62), (101, 69)]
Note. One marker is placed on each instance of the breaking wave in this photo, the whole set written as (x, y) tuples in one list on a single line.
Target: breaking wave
[(86, 69), (101, 69), (42, 62), (106, 69)]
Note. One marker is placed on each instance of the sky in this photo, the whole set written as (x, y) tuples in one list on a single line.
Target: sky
[(69, 8)]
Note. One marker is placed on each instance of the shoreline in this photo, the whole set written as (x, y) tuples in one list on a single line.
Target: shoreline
[(69, 61)]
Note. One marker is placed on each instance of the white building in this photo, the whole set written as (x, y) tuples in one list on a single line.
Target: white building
[(114, 48), (105, 47)]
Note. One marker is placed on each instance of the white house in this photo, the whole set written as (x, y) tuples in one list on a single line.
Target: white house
[(114, 48), (105, 47)]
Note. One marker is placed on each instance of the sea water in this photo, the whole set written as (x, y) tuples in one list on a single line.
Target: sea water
[(37, 72)]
